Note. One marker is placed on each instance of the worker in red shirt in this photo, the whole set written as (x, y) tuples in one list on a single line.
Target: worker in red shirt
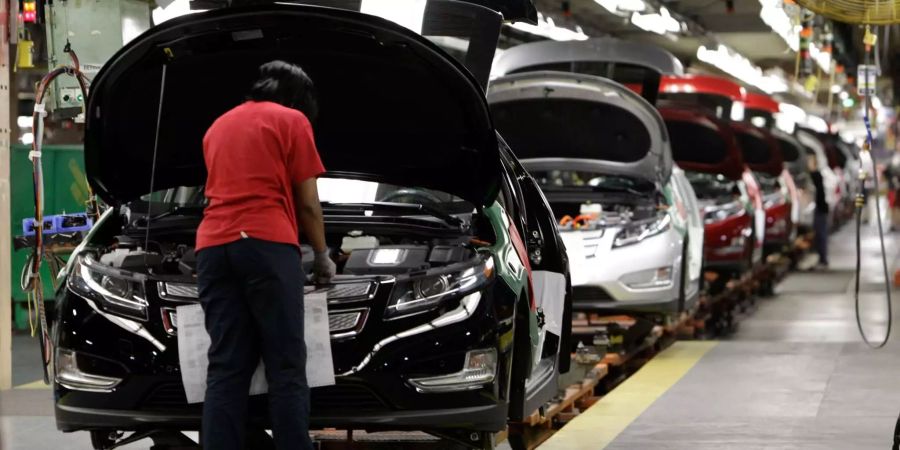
[(262, 163)]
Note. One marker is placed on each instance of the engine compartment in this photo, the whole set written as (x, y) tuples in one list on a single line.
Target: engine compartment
[(169, 252), (575, 215)]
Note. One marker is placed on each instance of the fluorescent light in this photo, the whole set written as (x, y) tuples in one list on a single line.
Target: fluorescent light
[(620, 6), (24, 121), (408, 13), (175, 9), (548, 29), (773, 15), (736, 65), (843, 95), (822, 58), (835, 88), (660, 23)]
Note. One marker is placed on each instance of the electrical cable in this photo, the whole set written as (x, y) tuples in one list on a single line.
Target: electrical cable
[(33, 281), (860, 203)]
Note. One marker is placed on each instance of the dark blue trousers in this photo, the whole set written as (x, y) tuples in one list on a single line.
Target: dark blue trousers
[(252, 294), (820, 226)]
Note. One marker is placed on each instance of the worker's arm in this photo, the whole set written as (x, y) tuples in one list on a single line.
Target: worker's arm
[(309, 218), (309, 213)]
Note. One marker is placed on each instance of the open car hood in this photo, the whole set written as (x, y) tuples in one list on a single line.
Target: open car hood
[(760, 149), (393, 106), (702, 142), (636, 65), (556, 119)]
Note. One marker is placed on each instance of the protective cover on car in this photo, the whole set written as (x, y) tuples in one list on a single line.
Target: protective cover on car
[(701, 142), (558, 121), (393, 106), (760, 149), (634, 64)]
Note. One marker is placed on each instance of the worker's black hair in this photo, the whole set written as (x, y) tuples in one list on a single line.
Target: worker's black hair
[(286, 84)]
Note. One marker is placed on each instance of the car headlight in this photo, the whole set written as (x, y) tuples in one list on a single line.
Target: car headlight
[(116, 291), (421, 293), (718, 213), (638, 231)]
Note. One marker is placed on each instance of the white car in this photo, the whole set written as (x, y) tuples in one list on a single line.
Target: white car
[(628, 216)]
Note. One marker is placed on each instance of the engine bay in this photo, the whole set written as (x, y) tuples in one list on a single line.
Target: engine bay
[(169, 253), (574, 215)]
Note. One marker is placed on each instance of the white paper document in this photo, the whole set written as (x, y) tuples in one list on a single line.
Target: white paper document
[(193, 345)]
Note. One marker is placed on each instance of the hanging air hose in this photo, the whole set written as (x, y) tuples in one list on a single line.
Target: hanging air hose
[(33, 279), (860, 204)]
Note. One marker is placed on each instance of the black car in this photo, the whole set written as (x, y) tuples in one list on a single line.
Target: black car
[(451, 306)]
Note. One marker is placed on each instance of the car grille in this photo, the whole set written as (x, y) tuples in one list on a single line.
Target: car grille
[(178, 290), (339, 292), (344, 398), (590, 294), (343, 321)]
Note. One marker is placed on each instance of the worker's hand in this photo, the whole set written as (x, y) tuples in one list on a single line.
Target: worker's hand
[(323, 268)]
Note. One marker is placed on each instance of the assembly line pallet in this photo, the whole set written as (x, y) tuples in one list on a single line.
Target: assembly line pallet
[(574, 398)]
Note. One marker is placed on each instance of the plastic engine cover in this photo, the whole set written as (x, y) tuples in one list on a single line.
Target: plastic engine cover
[(387, 260)]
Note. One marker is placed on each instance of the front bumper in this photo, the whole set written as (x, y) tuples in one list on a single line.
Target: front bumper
[(598, 275), (480, 418), (376, 396)]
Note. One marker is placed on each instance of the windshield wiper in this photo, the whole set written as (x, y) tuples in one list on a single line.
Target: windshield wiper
[(413, 207)]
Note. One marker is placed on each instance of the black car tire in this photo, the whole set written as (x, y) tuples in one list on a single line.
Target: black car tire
[(685, 278), (100, 440)]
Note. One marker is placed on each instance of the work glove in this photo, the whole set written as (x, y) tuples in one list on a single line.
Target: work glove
[(323, 268)]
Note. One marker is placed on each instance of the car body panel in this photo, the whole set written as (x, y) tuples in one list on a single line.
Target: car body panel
[(552, 137), (375, 365), (602, 49), (409, 80), (636, 65)]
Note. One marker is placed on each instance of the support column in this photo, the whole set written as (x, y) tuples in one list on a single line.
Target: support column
[(5, 213)]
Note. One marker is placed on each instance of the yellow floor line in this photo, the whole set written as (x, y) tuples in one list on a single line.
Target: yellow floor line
[(600, 424), (39, 384)]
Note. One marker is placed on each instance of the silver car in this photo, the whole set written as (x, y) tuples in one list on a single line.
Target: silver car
[(601, 154)]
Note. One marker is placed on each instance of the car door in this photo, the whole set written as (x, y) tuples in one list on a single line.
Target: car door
[(550, 287)]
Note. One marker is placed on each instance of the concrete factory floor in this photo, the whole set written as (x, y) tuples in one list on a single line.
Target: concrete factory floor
[(794, 376)]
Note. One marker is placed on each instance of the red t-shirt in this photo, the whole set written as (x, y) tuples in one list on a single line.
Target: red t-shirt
[(254, 154)]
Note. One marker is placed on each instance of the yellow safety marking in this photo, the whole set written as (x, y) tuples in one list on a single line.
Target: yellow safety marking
[(599, 425), (39, 384)]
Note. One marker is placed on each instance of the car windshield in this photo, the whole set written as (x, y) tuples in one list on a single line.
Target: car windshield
[(334, 191), (589, 181), (710, 186)]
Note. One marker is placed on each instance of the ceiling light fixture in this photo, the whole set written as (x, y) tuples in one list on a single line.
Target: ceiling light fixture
[(659, 23), (619, 6), (736, 65), (408, 13), (773, 15), (548, 29)]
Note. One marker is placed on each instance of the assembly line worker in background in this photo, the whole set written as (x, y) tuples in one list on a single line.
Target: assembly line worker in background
[(262, 163), (820, 218)]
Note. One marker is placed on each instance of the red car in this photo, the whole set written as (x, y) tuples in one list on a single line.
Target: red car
[(706, 148), (725, 100)]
